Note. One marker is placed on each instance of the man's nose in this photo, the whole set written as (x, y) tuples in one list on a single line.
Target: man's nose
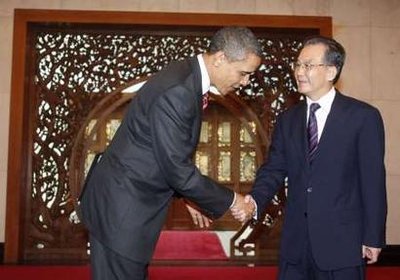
[(245, 81)]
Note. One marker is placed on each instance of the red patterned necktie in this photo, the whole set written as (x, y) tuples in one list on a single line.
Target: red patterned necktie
[(312, 130), (205, 100)]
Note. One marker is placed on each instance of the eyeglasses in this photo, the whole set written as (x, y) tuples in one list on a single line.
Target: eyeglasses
[(307, 66)]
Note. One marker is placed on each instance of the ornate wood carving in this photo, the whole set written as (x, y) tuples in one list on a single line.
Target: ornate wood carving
[(75, 68)]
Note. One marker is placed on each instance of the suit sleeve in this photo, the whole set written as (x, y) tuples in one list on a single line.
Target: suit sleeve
[(371, 148), (270, 176), (172, 119)]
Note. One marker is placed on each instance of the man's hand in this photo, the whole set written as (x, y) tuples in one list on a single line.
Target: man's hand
[(371, 254), (243, 209), (198, 218)]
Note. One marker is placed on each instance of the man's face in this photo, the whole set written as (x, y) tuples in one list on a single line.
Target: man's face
[(313, 76), (235, 74)]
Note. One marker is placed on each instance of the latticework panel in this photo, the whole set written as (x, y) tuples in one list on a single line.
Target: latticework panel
[(73, 70)]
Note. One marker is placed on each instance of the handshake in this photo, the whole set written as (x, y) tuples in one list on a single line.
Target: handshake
[(243, 209)]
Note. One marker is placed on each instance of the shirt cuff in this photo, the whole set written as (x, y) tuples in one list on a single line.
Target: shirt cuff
[(255, 213), (234, 200)]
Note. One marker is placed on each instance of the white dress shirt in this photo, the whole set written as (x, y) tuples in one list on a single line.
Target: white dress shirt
[(322, 113), (205, 78)]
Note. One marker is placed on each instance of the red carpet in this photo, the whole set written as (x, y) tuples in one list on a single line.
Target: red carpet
[(170, 273), (189, 245)]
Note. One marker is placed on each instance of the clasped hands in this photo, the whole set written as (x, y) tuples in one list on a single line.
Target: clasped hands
[(243, 209)]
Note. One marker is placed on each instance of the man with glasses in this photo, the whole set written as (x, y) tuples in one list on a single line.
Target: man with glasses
[(331, 149)]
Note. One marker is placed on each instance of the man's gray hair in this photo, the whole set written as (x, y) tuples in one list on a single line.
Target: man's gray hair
[(235, 42)]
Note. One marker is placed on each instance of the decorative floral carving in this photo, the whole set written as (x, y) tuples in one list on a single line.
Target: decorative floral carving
[(75, 69)]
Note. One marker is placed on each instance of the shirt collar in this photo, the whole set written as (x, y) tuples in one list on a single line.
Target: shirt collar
[(325, 101), (205, 79)]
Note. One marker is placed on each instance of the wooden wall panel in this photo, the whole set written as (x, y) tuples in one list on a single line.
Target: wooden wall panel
[(20, 139)]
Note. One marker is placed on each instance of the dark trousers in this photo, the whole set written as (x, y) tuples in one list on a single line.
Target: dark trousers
[(307, 269), (109, 265)]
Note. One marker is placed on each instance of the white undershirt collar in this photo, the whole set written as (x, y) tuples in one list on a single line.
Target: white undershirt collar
[(205, 79)]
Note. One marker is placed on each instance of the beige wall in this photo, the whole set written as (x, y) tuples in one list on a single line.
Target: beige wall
[(369, 29)]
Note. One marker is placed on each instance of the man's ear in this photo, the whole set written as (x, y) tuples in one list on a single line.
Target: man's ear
[(219, 58), (332, 71)]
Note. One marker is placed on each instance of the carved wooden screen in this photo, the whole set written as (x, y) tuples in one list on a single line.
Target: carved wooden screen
[(73, 61)]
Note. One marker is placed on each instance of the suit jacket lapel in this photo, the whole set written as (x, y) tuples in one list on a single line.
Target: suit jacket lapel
[(300, 131), (333, 122), (196, 76)]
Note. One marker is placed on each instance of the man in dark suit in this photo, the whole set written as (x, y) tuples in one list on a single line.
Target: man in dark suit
[(149, 160), (332, 154)]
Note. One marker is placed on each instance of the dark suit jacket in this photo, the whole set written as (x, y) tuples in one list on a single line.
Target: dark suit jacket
[(342, 192), (149, 161)]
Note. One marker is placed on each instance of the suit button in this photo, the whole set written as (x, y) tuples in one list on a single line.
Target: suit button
[(309, 189)]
